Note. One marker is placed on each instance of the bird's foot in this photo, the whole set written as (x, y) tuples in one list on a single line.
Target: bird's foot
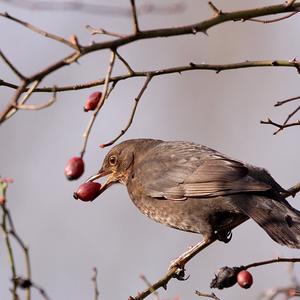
[(224, 236)]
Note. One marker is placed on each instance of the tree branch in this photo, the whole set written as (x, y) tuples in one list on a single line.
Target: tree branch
[(203, 26), (136, 102), (39, 31), (173, 70)]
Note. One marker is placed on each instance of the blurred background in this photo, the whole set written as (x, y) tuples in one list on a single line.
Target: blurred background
[(67, 238)]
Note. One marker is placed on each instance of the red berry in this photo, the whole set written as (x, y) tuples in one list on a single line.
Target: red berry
[(88, 191), (74, 168), (92, 101), (244, 279)]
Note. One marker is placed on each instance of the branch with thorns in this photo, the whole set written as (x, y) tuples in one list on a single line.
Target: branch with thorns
[(137, 34), (286, 123)]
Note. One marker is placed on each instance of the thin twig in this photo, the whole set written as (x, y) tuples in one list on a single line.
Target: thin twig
[(271, 261), (135, 22), (274, 20), (160, 72), (94, 280), (212, 295), (25, 250), (286, 101), (146, 34), (38, 106), (14, 106), (136, 102), (39, 31), (279, 126), (214, 8), (95, 31), (285, 124), (130, 71), (100, 104), (12, 67), (9, 250)]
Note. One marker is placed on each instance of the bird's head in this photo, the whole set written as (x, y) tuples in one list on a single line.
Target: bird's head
[(119, 161)]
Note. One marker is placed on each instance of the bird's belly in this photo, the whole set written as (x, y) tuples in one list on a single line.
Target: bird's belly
[(199, 215)]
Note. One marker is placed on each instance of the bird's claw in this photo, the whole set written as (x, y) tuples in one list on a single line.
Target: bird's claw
[(180, 274), (224, 236)]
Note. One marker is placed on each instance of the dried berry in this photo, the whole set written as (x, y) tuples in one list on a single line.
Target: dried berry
[(92, 101), (88, 191), (245, 279), (74, 168), (226, 277)]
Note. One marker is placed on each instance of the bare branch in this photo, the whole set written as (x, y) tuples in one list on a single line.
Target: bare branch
[(40, 31), (271, 261), (14, 105), (214, 9), (285, 123), (94, 280), (11, 66), (147, 34), (95, 31), (38, 106), (274, 20), (9, 248), (130, 71), (179, 69), (135, 22), (286, 101), (137, 99)]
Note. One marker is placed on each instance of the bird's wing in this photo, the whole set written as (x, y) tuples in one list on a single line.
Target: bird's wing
[(178, 171)]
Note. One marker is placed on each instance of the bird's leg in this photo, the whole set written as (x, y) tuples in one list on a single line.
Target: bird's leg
[(180, 262)]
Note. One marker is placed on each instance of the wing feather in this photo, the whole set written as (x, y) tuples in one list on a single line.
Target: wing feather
[(189, 170)]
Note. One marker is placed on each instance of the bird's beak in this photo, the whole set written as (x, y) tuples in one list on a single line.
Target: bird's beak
[(110, 180)]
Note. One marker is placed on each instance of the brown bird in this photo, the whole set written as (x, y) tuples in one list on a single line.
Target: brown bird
[(197, 189)]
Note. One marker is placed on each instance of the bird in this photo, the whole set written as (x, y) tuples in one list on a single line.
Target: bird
[(194, 188)]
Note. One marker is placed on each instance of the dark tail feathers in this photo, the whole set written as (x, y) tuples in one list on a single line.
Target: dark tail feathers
[(280, 220)]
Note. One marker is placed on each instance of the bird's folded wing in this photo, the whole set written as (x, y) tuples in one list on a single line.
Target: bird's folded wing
[(209, 176)]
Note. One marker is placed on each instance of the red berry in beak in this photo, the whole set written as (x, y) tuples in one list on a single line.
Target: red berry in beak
[(92, 101), (244, 279), (88, 191), (74, 168)]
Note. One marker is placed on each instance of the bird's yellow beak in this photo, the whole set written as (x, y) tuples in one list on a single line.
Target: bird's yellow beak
[(110, 180)]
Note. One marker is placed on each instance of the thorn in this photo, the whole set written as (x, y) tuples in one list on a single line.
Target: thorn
[(205, 32)]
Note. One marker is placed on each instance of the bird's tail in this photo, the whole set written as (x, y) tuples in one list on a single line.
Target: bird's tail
[(277, 217)]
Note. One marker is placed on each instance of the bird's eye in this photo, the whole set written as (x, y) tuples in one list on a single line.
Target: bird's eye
[(113, 160)]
